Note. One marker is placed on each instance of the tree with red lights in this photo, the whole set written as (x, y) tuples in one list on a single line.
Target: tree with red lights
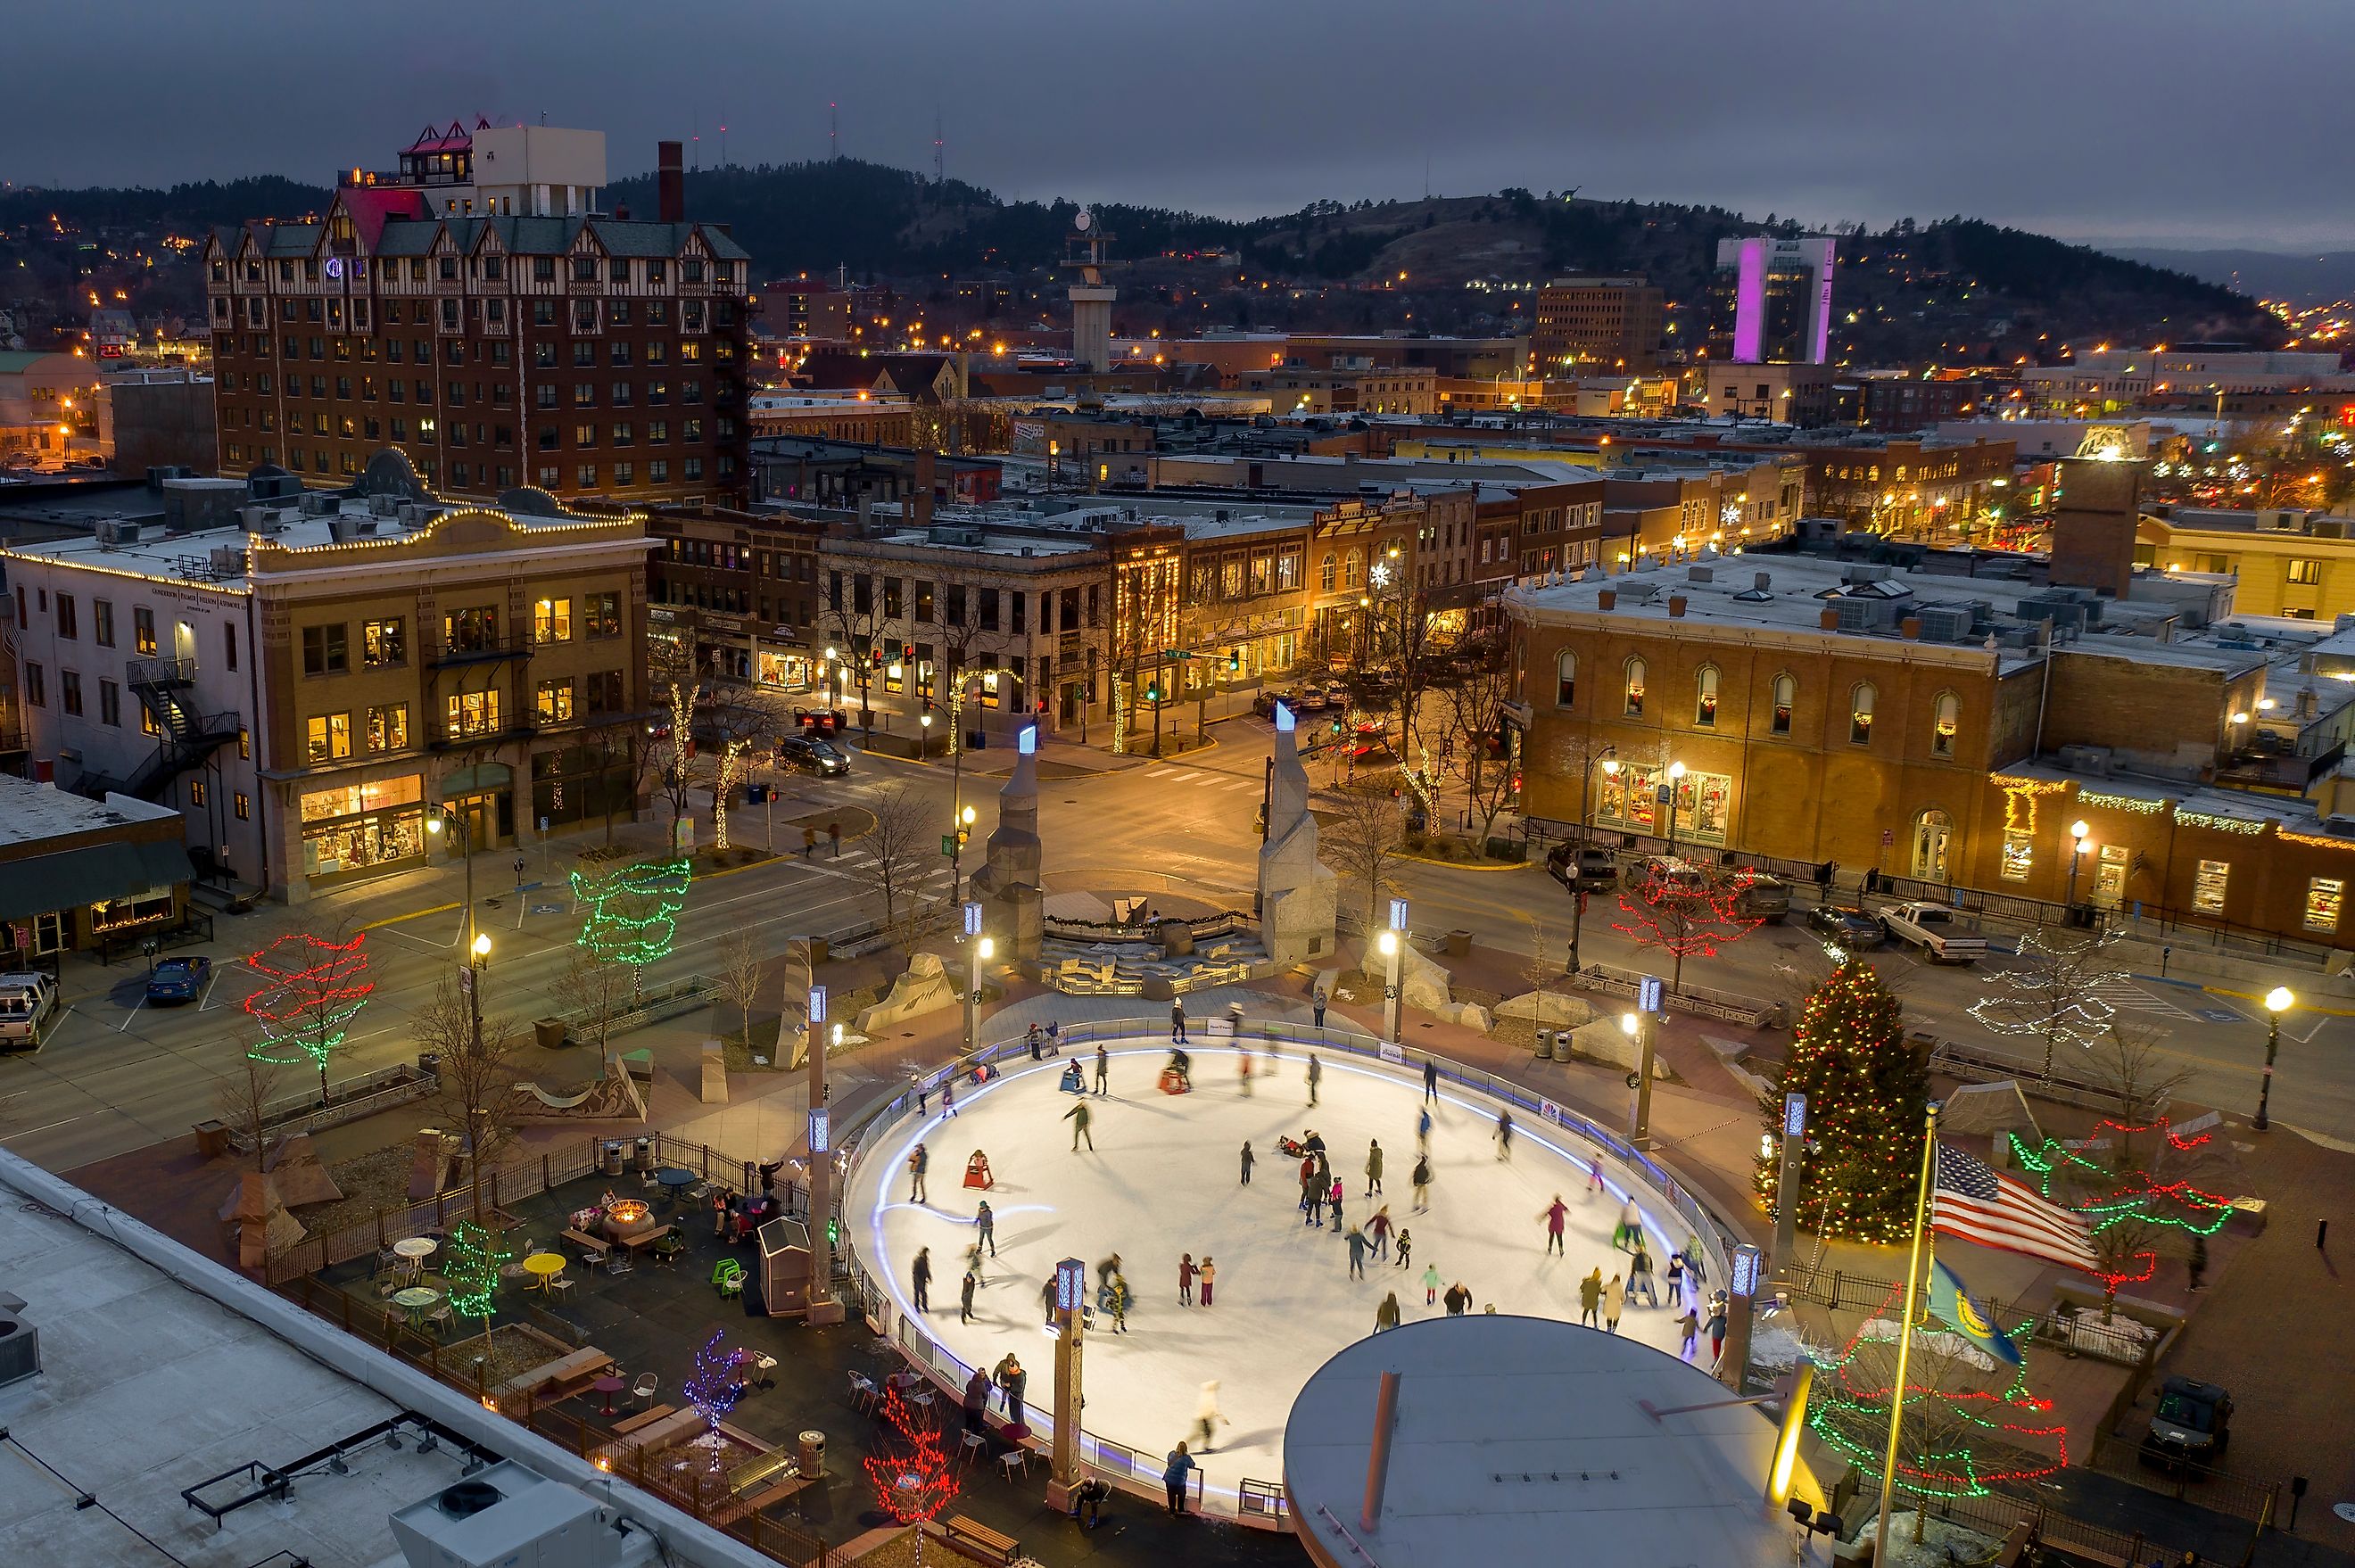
[(312, 989), (1693, 910), (910, 1476)]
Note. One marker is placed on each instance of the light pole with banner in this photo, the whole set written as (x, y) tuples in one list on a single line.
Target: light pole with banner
[(1392, 943), (1740, 1297), (1642, 1025), (977, 952), (1071, 1312), (822, 1306), (1787, 1188)]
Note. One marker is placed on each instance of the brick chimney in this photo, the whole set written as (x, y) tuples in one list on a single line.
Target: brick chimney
[(670, 182), (1608, 599), (2093, 525), (1677, 602)]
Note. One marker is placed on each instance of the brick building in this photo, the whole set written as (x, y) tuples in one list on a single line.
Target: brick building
[(1597, 323)]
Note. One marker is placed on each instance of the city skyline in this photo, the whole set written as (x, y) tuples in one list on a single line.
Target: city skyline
[(1247, 113)]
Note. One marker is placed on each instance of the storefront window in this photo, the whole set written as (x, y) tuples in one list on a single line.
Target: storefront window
[(2019, 856), (785, 672), (2323, 896), (139, 909), (1630, 799), (362, 826), (2208, 886)]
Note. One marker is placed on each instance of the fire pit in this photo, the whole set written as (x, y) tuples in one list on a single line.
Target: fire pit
[(628, 1219)]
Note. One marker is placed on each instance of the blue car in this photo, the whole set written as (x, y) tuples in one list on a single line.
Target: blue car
[(179, 979)]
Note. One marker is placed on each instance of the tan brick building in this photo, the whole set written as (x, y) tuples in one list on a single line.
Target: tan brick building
[(1597, 323)]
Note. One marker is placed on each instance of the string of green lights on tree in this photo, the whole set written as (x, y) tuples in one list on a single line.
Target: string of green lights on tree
[(2110, 1197), (471, 1260), (631, 915), (1867, 1090)]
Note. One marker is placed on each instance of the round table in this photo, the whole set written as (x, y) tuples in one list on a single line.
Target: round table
[(413, 1251), (415, 1299), (675, 1179), (609, 1387), (544, 1267)]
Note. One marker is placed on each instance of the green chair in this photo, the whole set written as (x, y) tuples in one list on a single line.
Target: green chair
[(728, 1275)]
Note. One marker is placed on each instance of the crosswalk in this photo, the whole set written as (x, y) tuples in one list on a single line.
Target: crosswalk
[(1227, 783), (2128, 996)]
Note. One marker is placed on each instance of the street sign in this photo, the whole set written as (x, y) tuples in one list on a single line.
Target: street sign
[(543, 824), (948, 846), (1794, 1115), (817, 1004), (1647, 994), (971, 919), (1666, 794)]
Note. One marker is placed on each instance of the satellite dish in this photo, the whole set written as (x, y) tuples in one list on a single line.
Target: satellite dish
[(1085, 221)]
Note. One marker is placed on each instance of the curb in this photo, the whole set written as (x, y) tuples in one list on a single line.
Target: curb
[(415, 914), (1463, 866)]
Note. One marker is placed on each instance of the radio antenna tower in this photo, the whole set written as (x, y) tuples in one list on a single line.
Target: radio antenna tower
[(833, 130), (940, 151), (723, 135)]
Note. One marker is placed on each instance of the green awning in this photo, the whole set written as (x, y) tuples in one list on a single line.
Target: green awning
[(74, 878), (480, 779)]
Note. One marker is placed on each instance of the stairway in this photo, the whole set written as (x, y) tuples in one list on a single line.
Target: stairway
[(186, 736)]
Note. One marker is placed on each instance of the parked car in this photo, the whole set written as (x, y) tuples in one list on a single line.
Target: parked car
[(813, 754), (2194, 1427), (179, 979), (1311, 698), (1934, 929), (1584, 868), (1851, 928), (26, 1002), (1762, 897), (1263, 702)]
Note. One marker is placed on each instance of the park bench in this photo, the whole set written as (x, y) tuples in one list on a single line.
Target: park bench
[(592, 1248), (643, 1418), (778, 1466), (977, 1540), (559, 1378)]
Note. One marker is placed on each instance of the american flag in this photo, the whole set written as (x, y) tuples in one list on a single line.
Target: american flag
[(1972, 1199)]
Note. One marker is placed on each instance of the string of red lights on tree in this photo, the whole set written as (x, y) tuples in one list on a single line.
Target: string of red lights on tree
[(911, 1476), (2108, 1196), (1685, 917), (310, 992), (1867, 1094)]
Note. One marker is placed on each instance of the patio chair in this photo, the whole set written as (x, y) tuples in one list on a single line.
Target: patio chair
[(728, 1275), (618, 1261), (863, 1391), (642, 1391)]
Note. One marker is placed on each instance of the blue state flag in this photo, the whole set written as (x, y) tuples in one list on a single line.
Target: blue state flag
[(1950, 1301)]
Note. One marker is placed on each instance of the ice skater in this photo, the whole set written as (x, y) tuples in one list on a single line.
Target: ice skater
[(1078, 1117), (1405, 1245), (1172, 1477), (1690, 1324), (1207, 1416), (1504, 1135), (1312, 1192), (1177, 1023), (1593, 1174), (1357, 1252), (1373, 1165), (1046, 1299), (1458, 1301), (1386, 1316), (1429, 1283), (1431, 1079), (1641, 1274), (948, 1096), (1675, 1279), (1334, 1197), (1186, 1279), (972, 1263), (1590, 1300), (1315, 1076), (920, 1159), (1121, 1297), (1614, 1300), (1030, 1038), (1210, 1273), (1717, 1310), (986, 1223), (1247, 1162), (1630, 1226), (1422, 1128), (1243, 1071), (1104, 1071), (1553, 1214), (1422, 1183), (1380, 1225), (920, 1275), (964, 1298)]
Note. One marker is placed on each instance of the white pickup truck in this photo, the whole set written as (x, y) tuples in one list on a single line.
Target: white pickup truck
[(1934, 928)]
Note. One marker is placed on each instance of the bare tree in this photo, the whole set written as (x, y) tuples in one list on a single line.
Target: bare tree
[(2052, 994), (602, 989), (477, 1074), (739, 975), (245, 1097), (1691, 912), (2128, 1063), (1476, 723), (1360, 843), (901, 844), (622, 749), (679, 749), (1546, 965)]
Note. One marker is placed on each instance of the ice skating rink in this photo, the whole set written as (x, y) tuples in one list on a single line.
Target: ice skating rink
[(1163, 1180)]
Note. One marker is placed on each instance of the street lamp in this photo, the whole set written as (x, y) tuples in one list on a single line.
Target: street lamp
[(465, 852), (1387, 945), (1607, 759), (2278, 1001), (1676, 780), (2077, 831)]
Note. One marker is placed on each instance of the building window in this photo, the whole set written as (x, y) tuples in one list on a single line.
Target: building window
[(2208, 886), (327, 737), (1705, 696), (1945, 718), (1353, 569), (324, 651), (1565, 677), (601, 615), (2018, 855), (195, 792), (2304, 571), (228, 642), (69, 691), (244, 803), (1786, 693), (388, 728), (384, 643), (606, 692), (142, 629), (552, 620), (1860, 714), (1634, 692), (110, 703), (474, 713), (244, 743), (1324, 573), (102, 621), (471, 631), (2323, 896), (556, 700), (69, 624), (36, 688)]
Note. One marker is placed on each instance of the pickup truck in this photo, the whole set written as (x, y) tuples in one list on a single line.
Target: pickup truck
[(1934, 929)]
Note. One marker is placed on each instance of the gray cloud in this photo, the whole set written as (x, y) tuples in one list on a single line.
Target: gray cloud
[(2161, 120)]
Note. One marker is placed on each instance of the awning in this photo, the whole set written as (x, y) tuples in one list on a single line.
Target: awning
[(479, 779), (75, 878)]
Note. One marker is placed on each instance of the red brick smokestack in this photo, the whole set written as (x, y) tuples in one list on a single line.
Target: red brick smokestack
[(670, 182)]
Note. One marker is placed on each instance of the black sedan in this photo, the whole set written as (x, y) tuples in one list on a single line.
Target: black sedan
[(1848, 928)]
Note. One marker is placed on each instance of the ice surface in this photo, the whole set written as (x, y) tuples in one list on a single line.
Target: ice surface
[(1163, 1180)]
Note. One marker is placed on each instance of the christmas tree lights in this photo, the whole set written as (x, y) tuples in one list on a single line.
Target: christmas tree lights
[(717, 1384), (471, 1261), (1867, 1090), (632, 914), (1691, 912), (310, 992), (2125, 1206), (910, 1476), (2054, 993)]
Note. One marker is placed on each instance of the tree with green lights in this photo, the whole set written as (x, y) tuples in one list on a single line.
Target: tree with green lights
[(471, 1260), (631, 916), (1868, 1091)]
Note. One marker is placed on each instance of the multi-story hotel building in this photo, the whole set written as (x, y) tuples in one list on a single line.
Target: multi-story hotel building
[(500, 338), (1607, 325), (306, 687)]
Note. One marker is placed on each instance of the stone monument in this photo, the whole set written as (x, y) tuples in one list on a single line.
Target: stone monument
[(1006, 885), (1296, 892)]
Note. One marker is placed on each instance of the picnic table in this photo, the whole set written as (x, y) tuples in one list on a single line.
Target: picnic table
[(674, 1180)]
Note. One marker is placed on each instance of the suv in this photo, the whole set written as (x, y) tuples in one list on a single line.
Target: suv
[(811, 755), (1584, 868), (2194, 1427)]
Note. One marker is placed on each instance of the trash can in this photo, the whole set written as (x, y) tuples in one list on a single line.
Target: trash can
[(548, 1033), (610, 1161), (641, 1158), (212, 1139), (1459, 945), (1542, 1046), (813, 1454)]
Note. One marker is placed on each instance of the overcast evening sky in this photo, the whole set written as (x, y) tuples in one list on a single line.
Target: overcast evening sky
[(2221, 122)]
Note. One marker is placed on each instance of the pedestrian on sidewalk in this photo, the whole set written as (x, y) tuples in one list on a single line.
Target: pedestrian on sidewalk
[(1405, 1245), (1590, 1300), (986, 1221), (1078, 1117), (1103, 1069), (920, 1159), (1429, 1283), (1380, 1225), (718, 1212), (921, 1275), (1431, 1079), (1012, 1381), (1422, 1183), (1319, 1003), (1186, 1279), (1386, 1316), (834, 837), (809, 842), (1315, 1076), (1614, 1301), (1210, 1273), (1357, 1254), (1373, 1165), (1177, 1023), (1247, 1162), (1504, 1135), (1553, 1214), (964, 1298)]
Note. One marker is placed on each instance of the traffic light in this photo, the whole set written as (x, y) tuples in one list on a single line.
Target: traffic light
[(1235, 661), (907, 653), (1153, 692)]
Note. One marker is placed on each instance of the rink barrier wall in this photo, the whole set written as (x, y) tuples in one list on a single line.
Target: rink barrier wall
[(1258, 1502)]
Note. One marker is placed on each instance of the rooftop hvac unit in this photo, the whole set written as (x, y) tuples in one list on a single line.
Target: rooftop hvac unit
[(2330, 527), (1639, 592), (320, 503), (1701, 574), (2091, 761), (1867, 571), (384, 506), (113, 532), (229, 561), (1861, 615), (343, 528), (513, 1518), (1945, 622), (20, 1342), (261, 519)]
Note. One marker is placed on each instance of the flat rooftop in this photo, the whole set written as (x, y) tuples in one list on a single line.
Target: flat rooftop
[(32, 813)]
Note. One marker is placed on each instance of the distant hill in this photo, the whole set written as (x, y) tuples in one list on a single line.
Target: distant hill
[(2307, 278)]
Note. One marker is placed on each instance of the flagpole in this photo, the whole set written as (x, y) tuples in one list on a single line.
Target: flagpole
[(1905, 1335)]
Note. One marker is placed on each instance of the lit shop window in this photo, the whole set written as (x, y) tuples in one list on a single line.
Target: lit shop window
[(1705, 696), (1634, 688), (2019, 856), (2208, 886), (1945, 718), (1859, 715), (2323, 896)]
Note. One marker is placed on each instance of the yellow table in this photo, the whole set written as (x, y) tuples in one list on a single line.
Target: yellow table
[(544, 1267)]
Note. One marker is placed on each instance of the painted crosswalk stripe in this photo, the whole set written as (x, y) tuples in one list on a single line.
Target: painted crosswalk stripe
[(1160, 773)]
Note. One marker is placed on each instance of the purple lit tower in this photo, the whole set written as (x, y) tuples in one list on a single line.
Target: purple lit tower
[(1006, 886), (1296, 892), (1781, 297)]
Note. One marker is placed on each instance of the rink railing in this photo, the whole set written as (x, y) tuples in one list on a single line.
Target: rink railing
[(1257, 1501)]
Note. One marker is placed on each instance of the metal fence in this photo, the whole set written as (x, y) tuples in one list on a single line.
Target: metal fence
[(1995, 1514), (350, 1100), (1256, 1501)]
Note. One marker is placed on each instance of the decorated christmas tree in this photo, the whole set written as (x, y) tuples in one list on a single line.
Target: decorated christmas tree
[(2136, 1212), (910, 1474), (471, 1261), (311, 991), (1867, 1090)]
